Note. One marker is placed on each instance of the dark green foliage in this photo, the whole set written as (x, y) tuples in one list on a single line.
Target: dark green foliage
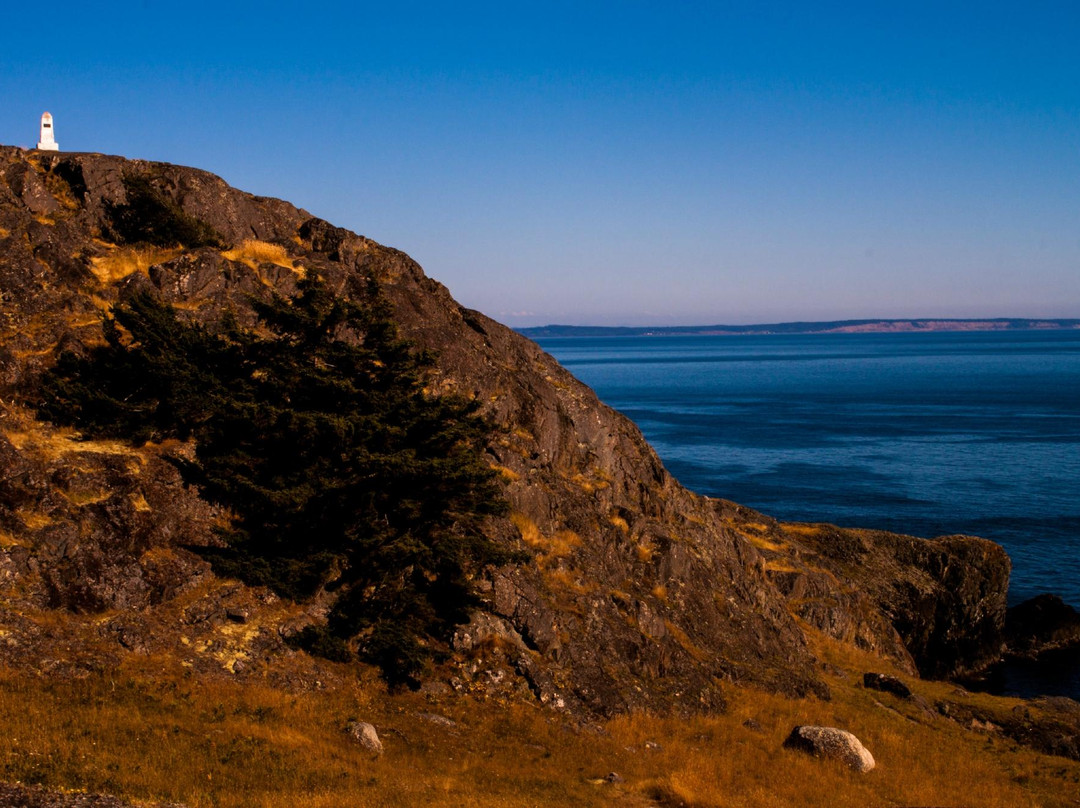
[(319, 640), (149, 217), (340, 472)]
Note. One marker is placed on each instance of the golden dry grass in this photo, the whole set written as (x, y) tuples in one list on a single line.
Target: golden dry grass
[(507, 474), (8, 540), (762, 543), (755, 527), (61, 192), (34, 520), (558, 545), (86, 496), (54, 444), (568, 581), (154, 730), (253, 253), (211, 743), (780, 566), (563, 543), (590, 483), (120, 262), (139, 502), (801, 529), (528, 529)]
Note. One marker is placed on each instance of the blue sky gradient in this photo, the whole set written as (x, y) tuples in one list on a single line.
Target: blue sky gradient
[(616, 163)]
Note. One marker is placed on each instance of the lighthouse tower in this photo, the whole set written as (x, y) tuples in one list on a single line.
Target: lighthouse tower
[(48, 138)]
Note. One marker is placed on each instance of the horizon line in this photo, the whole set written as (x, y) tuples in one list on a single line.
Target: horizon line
[(898, 324)]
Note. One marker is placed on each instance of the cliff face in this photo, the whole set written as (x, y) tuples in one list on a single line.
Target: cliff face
[(640, 593), (936, 606)]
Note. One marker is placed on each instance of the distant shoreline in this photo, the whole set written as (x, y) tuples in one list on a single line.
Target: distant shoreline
[(829, 327)]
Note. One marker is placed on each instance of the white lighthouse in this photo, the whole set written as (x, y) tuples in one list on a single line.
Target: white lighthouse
[(48, 137)]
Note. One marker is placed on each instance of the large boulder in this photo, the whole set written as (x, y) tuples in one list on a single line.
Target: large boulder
[(833, 744)]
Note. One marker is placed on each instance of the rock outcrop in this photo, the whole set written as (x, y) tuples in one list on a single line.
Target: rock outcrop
[(1044, 623), (640, 593), (1048, 725), (935, 606)]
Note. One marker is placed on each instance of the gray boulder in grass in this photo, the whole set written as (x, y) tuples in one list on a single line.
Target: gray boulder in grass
[(365, 735), (831, 743)]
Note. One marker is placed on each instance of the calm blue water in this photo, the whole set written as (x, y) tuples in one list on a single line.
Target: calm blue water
[(926, 434)]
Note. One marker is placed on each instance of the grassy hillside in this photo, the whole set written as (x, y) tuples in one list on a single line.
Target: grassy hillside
[(155, 730)]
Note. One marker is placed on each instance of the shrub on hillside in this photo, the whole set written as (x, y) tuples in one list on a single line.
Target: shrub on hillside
[(149, 217), (316, 434)]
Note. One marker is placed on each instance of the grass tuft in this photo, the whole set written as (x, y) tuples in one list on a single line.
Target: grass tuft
[(54, 444), (253, 253), (122, 262)]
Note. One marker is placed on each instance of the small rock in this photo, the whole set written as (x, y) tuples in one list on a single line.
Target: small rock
[(435, 688), (237, 615), (924, 706), (831, 743), (1060, 704), (365, 734), (613, 777), (886, 684), (434, 718)]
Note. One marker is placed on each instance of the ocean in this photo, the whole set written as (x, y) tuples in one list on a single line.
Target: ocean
[(920, 433)]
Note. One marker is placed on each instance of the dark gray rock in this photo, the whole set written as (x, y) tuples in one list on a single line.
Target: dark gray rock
[(887, 684), (16, 795), (439, 720), (1053, 730), (1044, 623)]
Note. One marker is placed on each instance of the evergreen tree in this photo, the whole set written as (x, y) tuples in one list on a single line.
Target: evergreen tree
[(316, 434)]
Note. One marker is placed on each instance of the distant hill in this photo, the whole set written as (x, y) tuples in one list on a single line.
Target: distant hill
[(830, 327)]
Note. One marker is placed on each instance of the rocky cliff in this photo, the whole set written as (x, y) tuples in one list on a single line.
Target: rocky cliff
[(639, 593)]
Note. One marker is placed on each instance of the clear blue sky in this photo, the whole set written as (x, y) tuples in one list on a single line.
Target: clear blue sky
[(634, 163)]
